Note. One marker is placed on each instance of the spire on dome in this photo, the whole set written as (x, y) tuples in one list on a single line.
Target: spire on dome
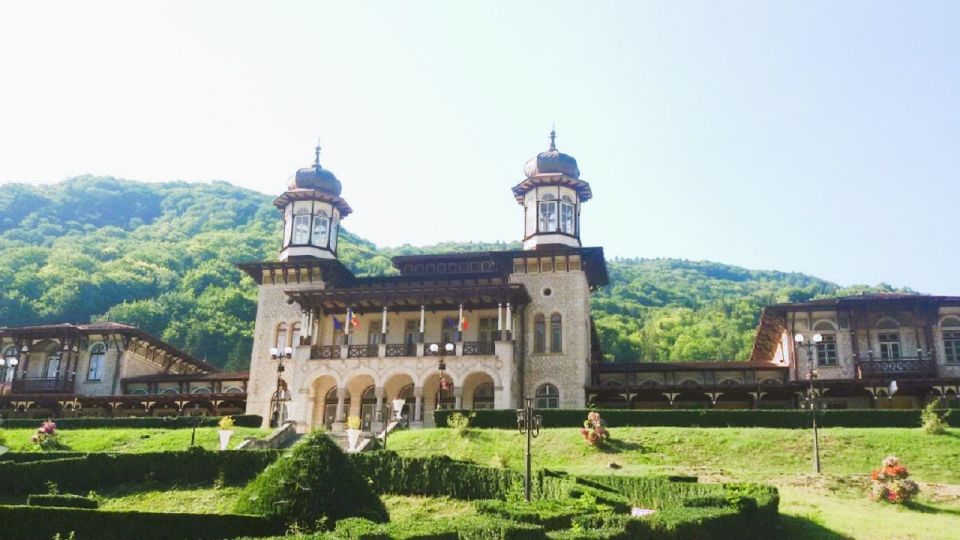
[(316, 155), (553, 138)]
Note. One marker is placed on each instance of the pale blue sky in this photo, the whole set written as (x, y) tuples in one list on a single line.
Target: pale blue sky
[(821, 137)]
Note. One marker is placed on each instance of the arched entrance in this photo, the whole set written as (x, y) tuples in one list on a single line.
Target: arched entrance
[(368, 404)]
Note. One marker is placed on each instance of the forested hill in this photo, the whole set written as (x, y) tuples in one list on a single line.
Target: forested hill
[(159, 256)]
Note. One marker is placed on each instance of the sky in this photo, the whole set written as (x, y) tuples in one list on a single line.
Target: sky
[(820, 137)]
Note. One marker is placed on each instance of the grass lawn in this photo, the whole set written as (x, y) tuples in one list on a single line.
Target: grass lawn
[(830, 506), (129, 439)]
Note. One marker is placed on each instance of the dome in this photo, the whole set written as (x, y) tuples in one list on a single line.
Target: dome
[(552, 162), (316, 178)]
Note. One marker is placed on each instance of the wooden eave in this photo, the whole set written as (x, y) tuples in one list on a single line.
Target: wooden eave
[(282, 201), (330, 271), (553, 179), (435, 297)]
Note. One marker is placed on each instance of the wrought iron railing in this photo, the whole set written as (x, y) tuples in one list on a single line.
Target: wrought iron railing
[(42, 385), (401, 349), (905, 365), (477, 347), (325, 351), (363, 351)]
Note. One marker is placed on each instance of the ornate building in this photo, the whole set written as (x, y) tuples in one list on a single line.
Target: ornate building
[(455, 330)]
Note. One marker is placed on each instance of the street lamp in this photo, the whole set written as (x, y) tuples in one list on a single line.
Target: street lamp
[(528, 424), (812, 400), (278, 396), (441, 365)]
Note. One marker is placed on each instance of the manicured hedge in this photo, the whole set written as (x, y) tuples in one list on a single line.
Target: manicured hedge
[(42, 523), (433, 476), (62, 501), (461, 528), (91, 471), (30, 457), (165, 422), (507, 419)]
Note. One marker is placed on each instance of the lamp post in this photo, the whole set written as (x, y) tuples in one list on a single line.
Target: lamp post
[(279, 355), (812, 400), (441, 365), (529, 425)]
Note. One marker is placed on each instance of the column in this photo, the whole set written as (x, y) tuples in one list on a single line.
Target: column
[(509, 322), (383, 326), (458, 398), (418, 405), (341, 397), (423, 315), (460, 324), (499, 321)]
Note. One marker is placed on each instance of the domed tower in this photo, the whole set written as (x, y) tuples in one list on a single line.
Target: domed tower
[(551, 196), (312, 209)]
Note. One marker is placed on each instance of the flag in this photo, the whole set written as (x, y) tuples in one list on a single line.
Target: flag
[(463, 322), (337, 325), (354, 322), (449, 322)]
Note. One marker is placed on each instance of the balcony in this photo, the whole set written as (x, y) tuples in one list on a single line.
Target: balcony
[(42, 385), (471, 348), (401, 349), (363, 351), (905, 366), (325, 351), (410, 350)]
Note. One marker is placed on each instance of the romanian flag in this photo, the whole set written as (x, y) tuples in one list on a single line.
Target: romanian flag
[(337, 325), (354, 321), (463, 322)]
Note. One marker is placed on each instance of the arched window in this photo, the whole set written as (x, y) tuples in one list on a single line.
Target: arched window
[(548, 397), (567, 215), (295, 334), (888, 336), (321, 228), (281, 341), (201, 390), (539, 334), (548, 213), (169, 392), (334, 226), (827, 348), (301, 226), (97, 353), (950, 326), (233, 390), (368, 402), (52, 369), (483, 396), (556, 333)]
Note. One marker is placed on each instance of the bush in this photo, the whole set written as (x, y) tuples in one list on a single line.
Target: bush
[(91, 471), (433, 476), (932, 421), (43, 523), (550, 514), (62, 501), (460, 423), (552, 418), (312, 488), (165, 422), (464, 528)]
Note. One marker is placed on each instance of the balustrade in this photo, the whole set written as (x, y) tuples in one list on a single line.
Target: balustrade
[(906, 365), (325, 351), (478, 348)]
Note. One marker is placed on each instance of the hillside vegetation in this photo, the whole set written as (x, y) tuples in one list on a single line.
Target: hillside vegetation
[(160, 256)]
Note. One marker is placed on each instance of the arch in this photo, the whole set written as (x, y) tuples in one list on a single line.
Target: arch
[(950, 321), (368, 405), (483, 396), (730, 382), (98, 352), (439, 395), (824, 325), (201, 390), (770, 382), (547, 396), (556, 333), (356, 386), (650, 383), (478, 391), (888, 323), (169, 392), (539, 333), (690, 383), (234, 390), (280, 337)]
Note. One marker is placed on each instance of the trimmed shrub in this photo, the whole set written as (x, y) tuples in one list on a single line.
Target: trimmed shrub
[(91, 471), (465, 528), (433, 476), (62, 501), (550, 514), (312, 488), (163, 422), (789, 418), (29, 457), (42, 523)]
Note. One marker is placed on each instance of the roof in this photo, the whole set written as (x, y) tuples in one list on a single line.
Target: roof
[(621, 367), (410, 297), (331, 271), (219, 376), (866, 299), (67, 330)]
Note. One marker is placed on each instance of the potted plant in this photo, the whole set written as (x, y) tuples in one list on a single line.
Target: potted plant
[(353, 432), (226, 431)]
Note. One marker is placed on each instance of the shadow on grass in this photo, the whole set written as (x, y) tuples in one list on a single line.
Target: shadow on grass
[(615, 446), (927, 509), (798, 528)]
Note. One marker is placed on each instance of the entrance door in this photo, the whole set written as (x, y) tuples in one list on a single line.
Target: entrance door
[(368, 403)]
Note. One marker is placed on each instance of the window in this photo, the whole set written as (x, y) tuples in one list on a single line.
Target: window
[(295, 334), (483, 397), (53, 365), (951, 339), (539, 334), (889, 345), (333, 235), (97, 353), (548, 397), (548, 213), (373, 332), (201, 390), (301, 226), (287, 225), (827, 350), (281, 341), (556, 333), (487, 328), (566, 215), (8, 364), (321, 228)]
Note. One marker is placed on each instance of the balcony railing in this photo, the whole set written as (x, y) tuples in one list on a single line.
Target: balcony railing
[(477, 347), (363, 351), (42, 385), (325, 351), (401, 349), (905, 365)]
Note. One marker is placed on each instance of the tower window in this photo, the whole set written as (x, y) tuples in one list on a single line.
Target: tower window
[(567, 215), (301, 226), (321, 229), (556, 333), (548, 213), (548, 397), (539, 334), (334, 225)]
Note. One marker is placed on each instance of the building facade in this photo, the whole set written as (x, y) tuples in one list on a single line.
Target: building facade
[(456, 330), (106, 369)]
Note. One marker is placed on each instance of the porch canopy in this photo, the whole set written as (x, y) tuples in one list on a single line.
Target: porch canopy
[(399, 295)]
